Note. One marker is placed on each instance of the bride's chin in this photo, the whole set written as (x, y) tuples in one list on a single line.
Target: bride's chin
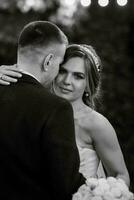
[(65, 96), (60, 94)]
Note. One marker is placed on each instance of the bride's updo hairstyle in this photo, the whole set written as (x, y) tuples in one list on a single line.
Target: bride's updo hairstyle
[(93, 68)]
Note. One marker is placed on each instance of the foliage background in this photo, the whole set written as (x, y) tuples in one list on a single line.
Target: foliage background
[(111, 31)]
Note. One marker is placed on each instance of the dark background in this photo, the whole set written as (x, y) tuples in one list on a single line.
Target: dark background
[(111, 31)]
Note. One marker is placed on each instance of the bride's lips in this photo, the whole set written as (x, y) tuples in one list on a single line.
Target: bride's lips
[(65, 90)]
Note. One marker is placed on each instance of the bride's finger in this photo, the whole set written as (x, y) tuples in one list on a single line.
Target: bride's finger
[(11, 73), (9, 79), (4, 82)]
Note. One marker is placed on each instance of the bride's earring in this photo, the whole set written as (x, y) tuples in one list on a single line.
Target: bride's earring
[(86, 94), (46, 69)]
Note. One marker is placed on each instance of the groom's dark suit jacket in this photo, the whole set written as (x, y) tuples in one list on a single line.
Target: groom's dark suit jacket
[(38, 154)]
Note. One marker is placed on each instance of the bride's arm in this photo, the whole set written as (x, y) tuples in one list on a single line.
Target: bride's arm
[(108, 149), (9, 74)]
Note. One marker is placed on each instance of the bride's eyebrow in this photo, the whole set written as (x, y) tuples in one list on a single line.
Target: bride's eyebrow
[(74, 72)]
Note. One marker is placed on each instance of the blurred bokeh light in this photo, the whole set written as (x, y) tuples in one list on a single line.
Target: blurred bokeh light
[(122, 2), (85, 3), (103, 3)]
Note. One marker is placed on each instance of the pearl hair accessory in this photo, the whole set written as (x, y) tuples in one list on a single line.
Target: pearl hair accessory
[(94, 58), (92, 54)]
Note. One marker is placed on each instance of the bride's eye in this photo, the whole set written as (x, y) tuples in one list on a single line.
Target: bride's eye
[(79, 76)]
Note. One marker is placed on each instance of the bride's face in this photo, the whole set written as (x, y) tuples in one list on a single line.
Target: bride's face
[(70, 83)]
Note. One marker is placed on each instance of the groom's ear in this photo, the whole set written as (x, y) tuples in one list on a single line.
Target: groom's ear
[(48, 61)]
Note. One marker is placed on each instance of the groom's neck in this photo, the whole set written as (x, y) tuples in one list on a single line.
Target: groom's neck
[(29, 68)]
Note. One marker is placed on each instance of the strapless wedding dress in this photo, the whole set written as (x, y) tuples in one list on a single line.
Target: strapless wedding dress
[(90, 164)]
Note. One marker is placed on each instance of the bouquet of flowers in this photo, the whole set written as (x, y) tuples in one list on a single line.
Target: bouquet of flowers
[(103, 189)]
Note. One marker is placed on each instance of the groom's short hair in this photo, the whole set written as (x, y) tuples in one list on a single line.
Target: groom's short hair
[(41, 33)]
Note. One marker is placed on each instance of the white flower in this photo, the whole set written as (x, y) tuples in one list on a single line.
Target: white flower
[(92, 182), (103, 184), (116, 192), (87, 196), (84, 189), (128, 196), (104, 189), (131, 196), (98, 191), (96, 198), (121, 181), (111, 181), (108, 196), (77, 196)]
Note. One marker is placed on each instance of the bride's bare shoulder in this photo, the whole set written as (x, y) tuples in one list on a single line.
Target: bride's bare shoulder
[(99, 127), (94, 121), (91, 120)]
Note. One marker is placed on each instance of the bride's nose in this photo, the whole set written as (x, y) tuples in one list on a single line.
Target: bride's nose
[(67, 79)]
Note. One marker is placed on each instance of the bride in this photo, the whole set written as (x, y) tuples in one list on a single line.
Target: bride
[(78, 81)]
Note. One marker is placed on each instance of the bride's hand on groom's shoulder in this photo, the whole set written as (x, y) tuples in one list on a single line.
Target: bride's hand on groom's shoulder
[(9, 74)]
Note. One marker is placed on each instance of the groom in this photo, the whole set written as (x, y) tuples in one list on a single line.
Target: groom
[(38, 154)]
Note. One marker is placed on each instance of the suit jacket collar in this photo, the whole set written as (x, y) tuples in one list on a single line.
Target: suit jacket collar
[(29, 79), (25, 72)]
